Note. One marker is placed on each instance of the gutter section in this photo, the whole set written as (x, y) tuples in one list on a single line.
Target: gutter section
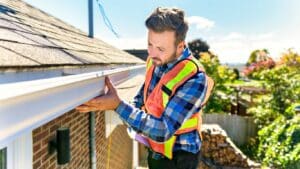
[(28, 105)]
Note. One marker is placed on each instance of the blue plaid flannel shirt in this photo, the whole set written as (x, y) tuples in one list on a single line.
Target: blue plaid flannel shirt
[(181, 106)]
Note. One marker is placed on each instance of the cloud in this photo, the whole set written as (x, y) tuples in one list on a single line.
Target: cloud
[(127, 43), (200, 22), (233, 36), (236, 47), (263, 36)]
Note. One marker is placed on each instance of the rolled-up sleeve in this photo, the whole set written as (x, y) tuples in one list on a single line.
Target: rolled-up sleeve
[(138, 100)]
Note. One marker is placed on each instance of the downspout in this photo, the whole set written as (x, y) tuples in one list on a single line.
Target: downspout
[(91, 19), (92, 138)]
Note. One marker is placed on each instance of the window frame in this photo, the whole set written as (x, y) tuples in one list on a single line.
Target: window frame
[(3, 158), (19, 152)]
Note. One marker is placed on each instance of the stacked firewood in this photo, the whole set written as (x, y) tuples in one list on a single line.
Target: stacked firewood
[(218, 151)]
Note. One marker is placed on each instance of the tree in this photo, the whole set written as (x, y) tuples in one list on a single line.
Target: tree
[(197, 46), (258, 56), (290, 58), (237, 73), (278, 143), (219, 73), (258, 61)]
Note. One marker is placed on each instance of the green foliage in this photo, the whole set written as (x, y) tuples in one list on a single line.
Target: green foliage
[(257, 56), (258, 61), (283, 83), (279, 135), (237, 73), (221, 75), (290, 58), (198, 46), (256, 68), (280, 143), (250, 148)]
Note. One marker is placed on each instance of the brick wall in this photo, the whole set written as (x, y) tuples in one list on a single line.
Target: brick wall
[(120, 154), (79, 143), (120, 149)]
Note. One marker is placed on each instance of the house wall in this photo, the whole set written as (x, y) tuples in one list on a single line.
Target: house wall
[(120, 154), (120, 149), (79, 142)]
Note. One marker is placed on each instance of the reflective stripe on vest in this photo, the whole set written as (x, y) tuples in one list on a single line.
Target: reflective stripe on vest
[(158, 99), (189, 124), (185, 73)]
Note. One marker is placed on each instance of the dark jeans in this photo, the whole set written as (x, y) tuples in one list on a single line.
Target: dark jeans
[(181, 160)]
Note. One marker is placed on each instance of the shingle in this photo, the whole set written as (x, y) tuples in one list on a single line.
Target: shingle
[(33, 34), (40, 54), (90, 58), (37, 39), (10, 58), (13, 23), (9, 35)]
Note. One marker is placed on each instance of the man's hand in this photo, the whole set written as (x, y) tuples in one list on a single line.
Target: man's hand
[(108, 101)]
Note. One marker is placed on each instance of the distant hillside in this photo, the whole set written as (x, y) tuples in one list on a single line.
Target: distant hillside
[(239, 66)]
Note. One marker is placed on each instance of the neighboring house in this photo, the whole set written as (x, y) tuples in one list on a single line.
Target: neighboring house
[(35, 46), (140, 53)]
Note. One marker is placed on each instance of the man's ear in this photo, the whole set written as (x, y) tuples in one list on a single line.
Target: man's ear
[(180, 47)]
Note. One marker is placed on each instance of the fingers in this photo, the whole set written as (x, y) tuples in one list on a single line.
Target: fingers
[(108, 101), (86, 109), (95, 101), (109, 84)]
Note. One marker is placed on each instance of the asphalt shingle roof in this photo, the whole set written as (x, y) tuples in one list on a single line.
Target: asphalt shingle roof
[(31, 37)]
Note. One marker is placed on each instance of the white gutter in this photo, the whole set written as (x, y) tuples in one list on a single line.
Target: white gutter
[(25, 106)]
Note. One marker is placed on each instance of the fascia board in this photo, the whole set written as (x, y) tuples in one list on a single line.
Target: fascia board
[(28, 105)]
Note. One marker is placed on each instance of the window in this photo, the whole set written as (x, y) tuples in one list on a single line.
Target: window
[(18, 153), (3, 159)]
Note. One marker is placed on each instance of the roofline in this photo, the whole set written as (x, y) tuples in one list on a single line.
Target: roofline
[(28, 105), (68, 65)]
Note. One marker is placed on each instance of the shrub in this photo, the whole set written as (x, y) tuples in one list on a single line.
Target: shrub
[(280, 143)]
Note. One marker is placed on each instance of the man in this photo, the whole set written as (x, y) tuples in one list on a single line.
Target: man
[(166, 109)]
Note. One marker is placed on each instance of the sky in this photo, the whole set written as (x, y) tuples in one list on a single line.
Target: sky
[(232, 28)]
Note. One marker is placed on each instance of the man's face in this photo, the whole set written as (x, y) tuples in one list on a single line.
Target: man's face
[(162, 48)]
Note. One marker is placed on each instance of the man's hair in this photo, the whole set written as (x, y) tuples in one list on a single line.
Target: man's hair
[(168, 19)]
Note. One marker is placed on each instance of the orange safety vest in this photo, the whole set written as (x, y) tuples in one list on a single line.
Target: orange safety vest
[(157, 100)]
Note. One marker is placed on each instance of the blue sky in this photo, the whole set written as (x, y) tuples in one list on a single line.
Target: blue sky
[(232, 28)]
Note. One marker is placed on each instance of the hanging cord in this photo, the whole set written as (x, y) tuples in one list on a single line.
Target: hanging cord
[(110, 135), (106, 20), (109, 144)]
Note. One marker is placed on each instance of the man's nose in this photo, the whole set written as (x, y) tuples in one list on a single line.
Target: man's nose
[(152, 53)]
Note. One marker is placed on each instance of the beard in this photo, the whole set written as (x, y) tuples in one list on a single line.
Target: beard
[(159, 62)]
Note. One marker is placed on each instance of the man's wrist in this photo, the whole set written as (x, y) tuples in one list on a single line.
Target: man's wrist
[(119, 101)]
